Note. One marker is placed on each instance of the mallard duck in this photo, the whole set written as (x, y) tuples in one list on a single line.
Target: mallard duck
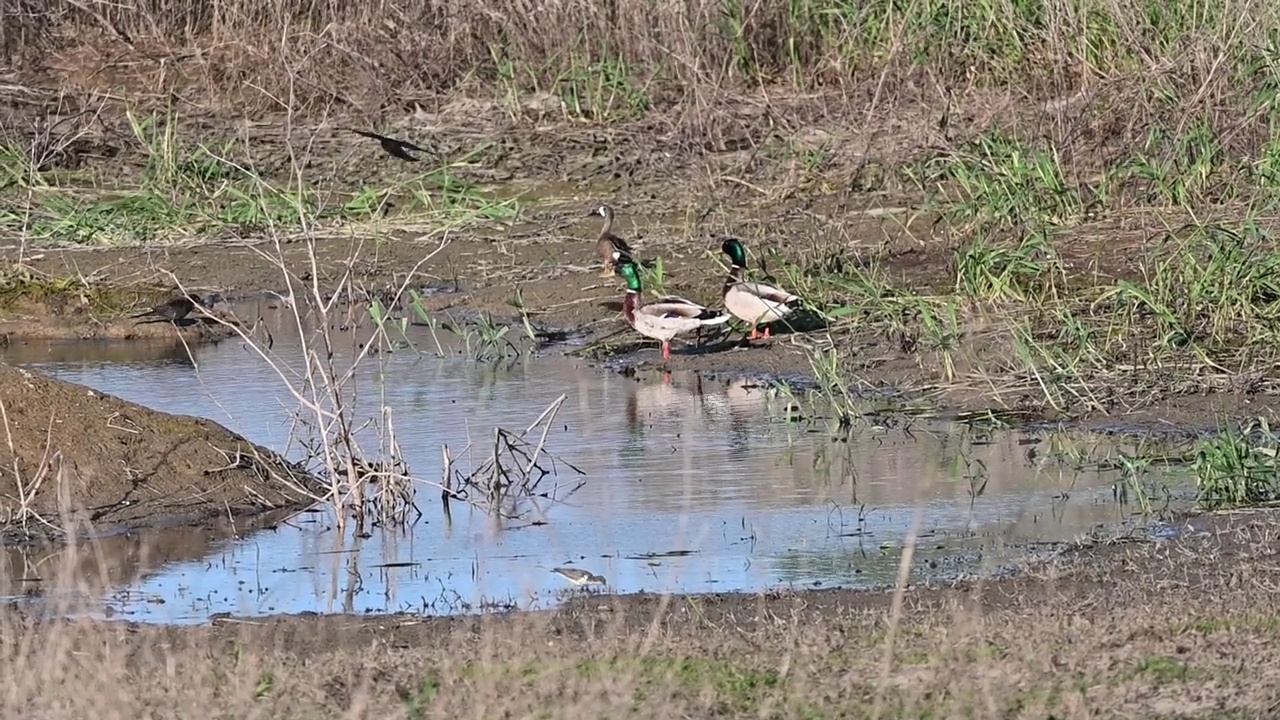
[(664, 318), (608, 243), (756, 303)]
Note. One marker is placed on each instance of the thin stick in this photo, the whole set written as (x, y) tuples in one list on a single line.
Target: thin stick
[(895, 611)]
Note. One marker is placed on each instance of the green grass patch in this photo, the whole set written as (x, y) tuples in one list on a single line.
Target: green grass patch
[(997, 179), (1162, 669), (186, 190), (22, 288), (1239, 466), (1216, 625), (1203, 307)]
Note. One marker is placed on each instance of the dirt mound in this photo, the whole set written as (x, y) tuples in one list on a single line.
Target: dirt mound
[(69, 453)]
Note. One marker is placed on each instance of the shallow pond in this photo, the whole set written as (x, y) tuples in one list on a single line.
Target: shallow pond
[(691, 484)]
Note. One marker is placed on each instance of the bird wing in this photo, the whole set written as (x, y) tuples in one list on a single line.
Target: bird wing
[(673, 307), (618, 243), (676, 299)]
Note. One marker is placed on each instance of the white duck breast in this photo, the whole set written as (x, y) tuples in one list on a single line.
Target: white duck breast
[(758, 303)]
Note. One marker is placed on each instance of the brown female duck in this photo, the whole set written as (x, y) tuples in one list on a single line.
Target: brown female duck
[(608, 243)]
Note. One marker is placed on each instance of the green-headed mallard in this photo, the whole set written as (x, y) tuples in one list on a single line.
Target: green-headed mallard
[(756, 303), (608, 243), (664, 318)]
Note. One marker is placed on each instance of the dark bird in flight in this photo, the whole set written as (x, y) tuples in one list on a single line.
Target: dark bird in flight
[(394, 147), (173, 311)]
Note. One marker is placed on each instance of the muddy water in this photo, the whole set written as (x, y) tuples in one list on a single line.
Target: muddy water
[(691, 484)]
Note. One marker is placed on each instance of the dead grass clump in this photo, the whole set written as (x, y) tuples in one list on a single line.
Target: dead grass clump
[(613, 60)]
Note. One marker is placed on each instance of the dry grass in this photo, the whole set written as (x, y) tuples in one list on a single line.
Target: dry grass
[(1185, 629), (1182, 629), (1114, 66), (859, 93)]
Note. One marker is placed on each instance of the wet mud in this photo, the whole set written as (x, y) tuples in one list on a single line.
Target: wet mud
[(73, 458)]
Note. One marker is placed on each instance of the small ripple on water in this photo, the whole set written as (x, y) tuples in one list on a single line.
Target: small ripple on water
[(693, 484)]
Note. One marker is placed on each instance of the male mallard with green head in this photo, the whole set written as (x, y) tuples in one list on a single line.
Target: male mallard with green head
[(608, 243), (665, 318), (754, 302)]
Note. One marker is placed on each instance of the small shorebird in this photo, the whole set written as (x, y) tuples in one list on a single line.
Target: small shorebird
[(173, 311), (393, 147), (579, 577)]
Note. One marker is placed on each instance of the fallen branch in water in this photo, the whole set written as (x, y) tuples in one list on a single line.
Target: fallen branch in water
[(513, 471)]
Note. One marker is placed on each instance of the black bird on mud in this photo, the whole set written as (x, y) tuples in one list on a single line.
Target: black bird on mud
[(394, 147), (173, 311)]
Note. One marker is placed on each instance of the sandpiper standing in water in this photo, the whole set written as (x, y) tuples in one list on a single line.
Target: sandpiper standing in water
[(579, 577)]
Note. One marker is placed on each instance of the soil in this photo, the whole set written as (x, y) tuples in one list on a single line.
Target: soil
[(669, 204), (675, 198), (72, 457), (555, 273), (71, 306), (1182, 628)]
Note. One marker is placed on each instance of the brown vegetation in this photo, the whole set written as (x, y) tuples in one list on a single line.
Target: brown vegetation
[(1181, 628), (1093, 78)]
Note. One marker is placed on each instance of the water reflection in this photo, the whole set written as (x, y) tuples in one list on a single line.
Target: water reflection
[(692, 485)]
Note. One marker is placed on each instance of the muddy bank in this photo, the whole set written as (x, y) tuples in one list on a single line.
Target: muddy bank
[(192, 331), (75, 305), (575, 311), (71, 456), (868, 246), (468, 278), (1181, 628)]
